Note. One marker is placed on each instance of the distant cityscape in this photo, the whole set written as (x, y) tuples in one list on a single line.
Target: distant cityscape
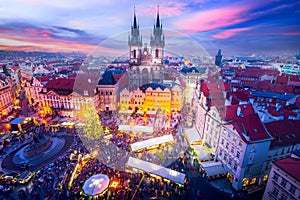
[(149, 125)]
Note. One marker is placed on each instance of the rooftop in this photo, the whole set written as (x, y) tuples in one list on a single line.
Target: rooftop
[(251, 129), (284, 132), (290, 166)]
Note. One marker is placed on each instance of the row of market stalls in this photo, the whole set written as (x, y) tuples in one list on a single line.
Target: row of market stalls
[(203, 155), (151, 143), (156, 170), (136, 128)]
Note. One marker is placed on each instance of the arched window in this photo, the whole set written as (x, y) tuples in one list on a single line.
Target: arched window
[(134, 53), (156, 53)]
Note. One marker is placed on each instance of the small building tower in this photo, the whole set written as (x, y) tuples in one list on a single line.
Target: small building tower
[(218, 60)]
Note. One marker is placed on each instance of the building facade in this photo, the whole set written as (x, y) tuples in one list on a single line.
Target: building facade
[(152, 97), (108, 92), (6, 101), (284, 180), (243, 149)]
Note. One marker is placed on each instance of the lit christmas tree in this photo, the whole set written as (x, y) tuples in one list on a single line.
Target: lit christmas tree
[(92, 127)]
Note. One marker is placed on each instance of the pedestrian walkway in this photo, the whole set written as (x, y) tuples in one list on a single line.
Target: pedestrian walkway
[(222, 185)]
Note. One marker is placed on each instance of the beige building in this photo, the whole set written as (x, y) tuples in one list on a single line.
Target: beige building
[(284, 180), (153, 97), (6, 101)]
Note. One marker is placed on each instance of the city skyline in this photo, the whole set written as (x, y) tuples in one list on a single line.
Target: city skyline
[(238, 28)]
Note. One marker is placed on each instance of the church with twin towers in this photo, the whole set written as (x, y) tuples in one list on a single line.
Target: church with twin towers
[(146, 62)]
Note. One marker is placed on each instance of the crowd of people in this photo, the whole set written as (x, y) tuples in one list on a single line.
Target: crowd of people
[(126, 183)]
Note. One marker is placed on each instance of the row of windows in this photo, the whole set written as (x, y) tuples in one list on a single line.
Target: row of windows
[(284, 182), (106, 93)]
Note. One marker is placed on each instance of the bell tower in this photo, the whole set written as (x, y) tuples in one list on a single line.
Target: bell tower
[(135, 42), (157, 41)]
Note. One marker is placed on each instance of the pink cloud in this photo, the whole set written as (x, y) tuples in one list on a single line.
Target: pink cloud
[(213, 19), (230, 33), (206, 20)]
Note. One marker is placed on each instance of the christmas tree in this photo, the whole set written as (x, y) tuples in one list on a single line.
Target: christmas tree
[(92, 127)]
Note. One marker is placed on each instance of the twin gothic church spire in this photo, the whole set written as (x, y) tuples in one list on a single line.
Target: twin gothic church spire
[(157, 41)]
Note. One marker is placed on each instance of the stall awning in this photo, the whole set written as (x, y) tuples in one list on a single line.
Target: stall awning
[(136, 128), (151, 142), (158, 170), (201, 152), (18, 120), (192, 135), (213, 168)]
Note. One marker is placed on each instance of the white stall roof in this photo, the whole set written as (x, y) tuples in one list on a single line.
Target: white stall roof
[(192, 135), (151, 142), (136, 128), (213, 168), (158, 170)]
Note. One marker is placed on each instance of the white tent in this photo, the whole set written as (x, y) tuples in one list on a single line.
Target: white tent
[(192, 135), (213, 168), (136, 128), (151, 142), (201, 152), (96, 184), (158, 170)]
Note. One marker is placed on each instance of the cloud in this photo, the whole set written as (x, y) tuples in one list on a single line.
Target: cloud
[(231, 32)]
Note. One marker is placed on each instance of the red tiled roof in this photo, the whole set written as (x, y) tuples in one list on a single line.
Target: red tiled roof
[(15, 68), (44, 78), (250, 128), (227, 86), (256, 73), (270, 87), (282, 79), (240, 95), (290, 166), (231, 111), (281, 112), (61, 83), (284, 132)]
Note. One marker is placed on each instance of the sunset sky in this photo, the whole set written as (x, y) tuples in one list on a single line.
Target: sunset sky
[(244, 27)]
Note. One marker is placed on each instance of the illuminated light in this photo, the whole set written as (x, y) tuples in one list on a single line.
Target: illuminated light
[(173, 173), (266, 177), (245, 182), (114, 184), (252, 181)]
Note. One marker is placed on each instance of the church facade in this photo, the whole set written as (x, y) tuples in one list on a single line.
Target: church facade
[(146, 63)]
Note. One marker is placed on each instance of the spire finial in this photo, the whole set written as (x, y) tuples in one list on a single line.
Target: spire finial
[(157, 18), (134, 18)]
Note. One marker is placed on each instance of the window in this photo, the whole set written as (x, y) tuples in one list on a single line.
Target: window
[(275, 177), (240, 143), (275, 191), (283, 182), (134, 53), (235, 167), (238, 154), (230, 161), (222, 141), (283, 197), (292, 189), (227, 145), (232, 150), (251, 157), (234, 138)]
